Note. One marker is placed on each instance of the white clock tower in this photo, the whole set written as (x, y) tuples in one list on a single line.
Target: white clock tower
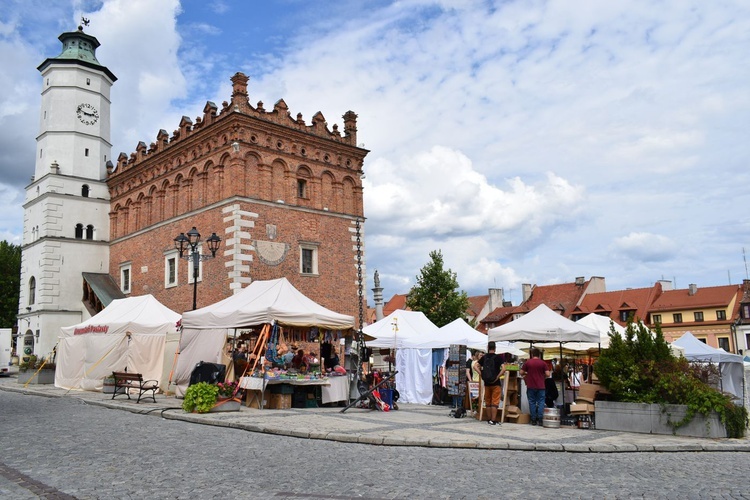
[(66, 211)]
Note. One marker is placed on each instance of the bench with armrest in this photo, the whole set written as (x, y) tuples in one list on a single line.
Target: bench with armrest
[(124, 381)]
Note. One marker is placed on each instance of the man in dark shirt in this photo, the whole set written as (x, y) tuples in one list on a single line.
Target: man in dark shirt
[(492, 372), (535, 372)]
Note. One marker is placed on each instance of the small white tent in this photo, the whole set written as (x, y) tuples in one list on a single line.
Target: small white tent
[(456, 332), (128, 333), (731, 366), (204, 331), (414, 377), (399, 328)]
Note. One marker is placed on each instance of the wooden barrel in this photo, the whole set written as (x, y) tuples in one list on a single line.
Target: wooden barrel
[(551, 418)]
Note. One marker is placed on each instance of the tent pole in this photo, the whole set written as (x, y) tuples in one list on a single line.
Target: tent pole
[(562, 382)]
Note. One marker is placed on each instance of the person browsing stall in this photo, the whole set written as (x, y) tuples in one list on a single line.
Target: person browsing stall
[(534, 371)]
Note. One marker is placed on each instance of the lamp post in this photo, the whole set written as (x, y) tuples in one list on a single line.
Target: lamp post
[(189, 244)]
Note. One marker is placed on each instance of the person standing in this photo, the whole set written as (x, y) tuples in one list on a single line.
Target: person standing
[(492, 372), (535, 372)]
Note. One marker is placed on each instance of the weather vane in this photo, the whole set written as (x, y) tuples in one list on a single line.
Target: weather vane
[(85, 21)]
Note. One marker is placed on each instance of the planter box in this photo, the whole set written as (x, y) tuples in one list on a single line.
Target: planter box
[(226, 405), (108, 388), (649, 419), (43, 377)]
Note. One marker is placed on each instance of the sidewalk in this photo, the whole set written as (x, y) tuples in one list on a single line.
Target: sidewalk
[(411, 425)]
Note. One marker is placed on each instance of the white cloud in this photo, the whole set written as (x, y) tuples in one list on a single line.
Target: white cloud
[(646, 247)]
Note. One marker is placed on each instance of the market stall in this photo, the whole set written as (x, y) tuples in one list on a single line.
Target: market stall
[(403, 331), (544, 327), (269, 307), (129, 334)]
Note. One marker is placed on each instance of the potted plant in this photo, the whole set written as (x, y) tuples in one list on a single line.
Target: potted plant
[(210, 398), (200, 397), (654, 392), (36, 371)]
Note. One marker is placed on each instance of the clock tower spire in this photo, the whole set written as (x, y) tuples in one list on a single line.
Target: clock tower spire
[(66, 211)]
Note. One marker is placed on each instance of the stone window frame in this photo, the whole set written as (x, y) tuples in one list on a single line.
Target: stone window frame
[(126, 277), (312, 248), (175, 273)]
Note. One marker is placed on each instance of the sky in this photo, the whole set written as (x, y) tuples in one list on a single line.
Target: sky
[(528, 141)]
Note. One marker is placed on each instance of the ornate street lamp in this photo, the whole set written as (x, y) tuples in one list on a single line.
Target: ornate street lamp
[(188, 248)]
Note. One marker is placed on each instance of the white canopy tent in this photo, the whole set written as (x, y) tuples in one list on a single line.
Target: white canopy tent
[(413, 363), (731, 366), (543, 325), (129, 333), (204, 331)]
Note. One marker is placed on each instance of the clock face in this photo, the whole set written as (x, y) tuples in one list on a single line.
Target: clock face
[(87, 114)]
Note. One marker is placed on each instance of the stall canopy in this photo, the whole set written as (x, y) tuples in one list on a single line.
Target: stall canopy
[(128, 334), (264, 302), (400, 327), (205, 331), (731, 366), (543, 325)]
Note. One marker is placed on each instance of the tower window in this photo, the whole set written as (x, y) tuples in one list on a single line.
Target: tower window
[(86, 152), (79, 231), (301, 188), (85, 191), (40, 153), (89, 232), (88, 81), (32, 291)]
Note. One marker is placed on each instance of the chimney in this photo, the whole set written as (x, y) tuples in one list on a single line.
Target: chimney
[(666, 285), (507, 303), (692, 289), (526, 290), (496, 298), (580, 280)]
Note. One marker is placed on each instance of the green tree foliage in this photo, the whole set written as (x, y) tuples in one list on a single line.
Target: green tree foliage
[(436, 293), (10, 279)]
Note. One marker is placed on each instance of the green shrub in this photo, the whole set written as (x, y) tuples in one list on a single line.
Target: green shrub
[(200, 397), (640, 368)]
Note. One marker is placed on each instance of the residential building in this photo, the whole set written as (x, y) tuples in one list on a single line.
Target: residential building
[(708, 313)]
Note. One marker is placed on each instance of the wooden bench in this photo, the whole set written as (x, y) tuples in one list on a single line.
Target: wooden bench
[(124, 381)]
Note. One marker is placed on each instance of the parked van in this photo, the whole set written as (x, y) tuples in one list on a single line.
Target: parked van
[(6, 337)]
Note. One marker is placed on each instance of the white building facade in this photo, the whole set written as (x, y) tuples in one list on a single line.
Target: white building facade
[(66, 210)]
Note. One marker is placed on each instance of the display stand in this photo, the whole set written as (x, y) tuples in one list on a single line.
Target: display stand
[(511, 411)]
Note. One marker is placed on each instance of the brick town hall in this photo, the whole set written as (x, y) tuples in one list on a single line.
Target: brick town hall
[(284, 197)]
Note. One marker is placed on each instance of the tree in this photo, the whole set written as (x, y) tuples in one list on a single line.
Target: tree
[(436, 293), (10, 279)]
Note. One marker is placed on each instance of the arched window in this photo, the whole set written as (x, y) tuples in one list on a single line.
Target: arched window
[(79, 231), (32, 291), (89, 232), (85, 191)]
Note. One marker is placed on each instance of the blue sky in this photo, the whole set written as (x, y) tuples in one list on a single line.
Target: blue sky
[(530, 141)]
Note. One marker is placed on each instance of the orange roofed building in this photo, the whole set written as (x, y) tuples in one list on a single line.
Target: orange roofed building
[(619, 305), (708, 313)]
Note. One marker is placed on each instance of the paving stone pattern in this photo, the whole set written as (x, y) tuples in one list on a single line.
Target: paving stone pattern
[(68, 448)]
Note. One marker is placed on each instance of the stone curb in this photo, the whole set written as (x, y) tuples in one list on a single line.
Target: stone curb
[(370, 439)]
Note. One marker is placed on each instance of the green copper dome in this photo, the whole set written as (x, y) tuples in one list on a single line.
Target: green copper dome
[(78, 45)]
